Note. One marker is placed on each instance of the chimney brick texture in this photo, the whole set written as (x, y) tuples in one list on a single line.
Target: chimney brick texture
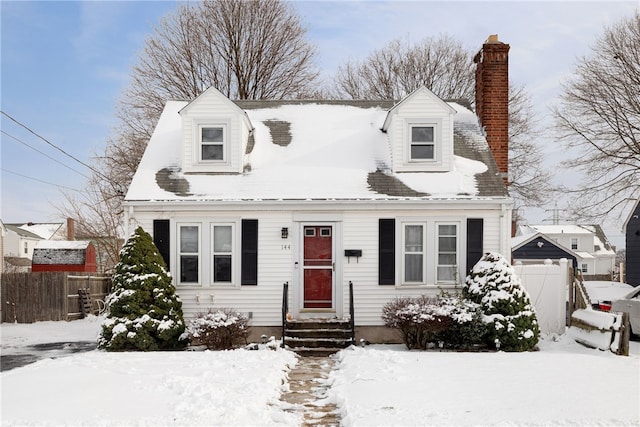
[(492, 99)]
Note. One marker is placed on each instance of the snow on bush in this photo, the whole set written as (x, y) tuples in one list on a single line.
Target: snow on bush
[(425, 320), (144, 312), (221, 329), (506, 305)]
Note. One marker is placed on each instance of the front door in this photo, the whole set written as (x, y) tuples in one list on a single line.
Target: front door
[(318, 266)]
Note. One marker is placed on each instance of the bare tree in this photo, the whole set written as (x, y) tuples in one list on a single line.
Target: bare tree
[(598, 121), (529, 181), (446, 68), (441, 64), (246, 49)]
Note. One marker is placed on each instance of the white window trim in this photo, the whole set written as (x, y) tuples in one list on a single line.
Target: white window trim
[(179, 253), (437, 251), (403, 252), (225, 142), (437, 141), (235, 255), (430, 260)]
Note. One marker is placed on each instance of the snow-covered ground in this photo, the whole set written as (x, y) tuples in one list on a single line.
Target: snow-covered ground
[(562, 384)]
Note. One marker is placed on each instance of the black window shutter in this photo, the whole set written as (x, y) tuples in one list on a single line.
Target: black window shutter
[(386, 251), (249, 250), (161, 239), (474, 241)]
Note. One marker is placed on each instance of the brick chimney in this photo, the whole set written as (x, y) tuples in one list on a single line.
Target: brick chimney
[(71, 229), (492, 99)]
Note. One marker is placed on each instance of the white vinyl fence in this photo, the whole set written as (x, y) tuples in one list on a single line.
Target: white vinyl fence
[(547, 285)]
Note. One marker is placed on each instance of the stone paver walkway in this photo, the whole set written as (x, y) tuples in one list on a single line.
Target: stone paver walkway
[(308, 392)]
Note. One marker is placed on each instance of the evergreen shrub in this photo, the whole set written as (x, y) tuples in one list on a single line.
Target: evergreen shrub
[(506, 306), (144, 312), (221, 329)]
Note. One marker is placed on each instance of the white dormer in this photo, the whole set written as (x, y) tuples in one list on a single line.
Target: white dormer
[(420, 129), (215, 132)]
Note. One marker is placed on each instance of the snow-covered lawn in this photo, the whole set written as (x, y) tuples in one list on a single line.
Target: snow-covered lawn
[(562, 384)]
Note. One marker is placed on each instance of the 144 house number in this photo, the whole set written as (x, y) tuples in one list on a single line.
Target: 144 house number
[(285, 247)]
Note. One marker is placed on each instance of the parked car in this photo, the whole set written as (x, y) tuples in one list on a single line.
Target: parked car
[(602, 293), (630, 303)]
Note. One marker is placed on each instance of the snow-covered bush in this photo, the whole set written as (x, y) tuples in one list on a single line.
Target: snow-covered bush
[(468, 328), (419, 320), (455, 322), (221, 329), (506, 305), (144, 312)]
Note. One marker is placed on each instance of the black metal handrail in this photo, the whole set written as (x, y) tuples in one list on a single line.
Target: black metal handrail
[(352, 320), (285, 309)]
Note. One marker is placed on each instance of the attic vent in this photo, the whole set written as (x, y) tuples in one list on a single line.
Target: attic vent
[(280, 132)]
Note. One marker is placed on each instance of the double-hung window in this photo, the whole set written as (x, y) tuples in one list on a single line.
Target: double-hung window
[(430, 252), (212, 142), (413, 253), (447, 265), (222, 261), (189, 253), (574, 243), (423, 142)]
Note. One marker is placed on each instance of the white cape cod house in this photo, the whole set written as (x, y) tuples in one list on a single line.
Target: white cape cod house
[(398, 198)]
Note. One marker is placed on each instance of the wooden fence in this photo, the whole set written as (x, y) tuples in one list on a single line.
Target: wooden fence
[(33, 297)]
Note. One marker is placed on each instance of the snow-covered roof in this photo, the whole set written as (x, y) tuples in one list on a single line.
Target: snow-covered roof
[(334, 150), (600, 242), (35, 230), (62, 244)]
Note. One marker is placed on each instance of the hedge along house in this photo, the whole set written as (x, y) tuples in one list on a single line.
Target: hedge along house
[(398, 198)]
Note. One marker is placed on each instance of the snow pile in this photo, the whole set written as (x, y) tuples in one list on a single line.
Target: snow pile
[(562, 384)]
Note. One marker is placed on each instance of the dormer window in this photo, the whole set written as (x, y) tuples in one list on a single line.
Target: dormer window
[(212, 143), (423, 142)]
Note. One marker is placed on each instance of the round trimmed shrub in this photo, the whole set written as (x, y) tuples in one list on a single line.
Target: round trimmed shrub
[(221, 329), (144, 312), (505, 304)]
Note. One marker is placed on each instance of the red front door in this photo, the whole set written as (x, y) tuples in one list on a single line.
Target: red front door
[(318, 266)]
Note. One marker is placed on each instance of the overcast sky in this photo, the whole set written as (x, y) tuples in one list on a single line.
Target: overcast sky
[(64, 65)]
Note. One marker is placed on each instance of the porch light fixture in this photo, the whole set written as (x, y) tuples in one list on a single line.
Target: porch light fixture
[(284, 233)]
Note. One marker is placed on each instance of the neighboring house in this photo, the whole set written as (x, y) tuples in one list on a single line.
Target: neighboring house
[(595, 256), (64, 255), (20, 239), (399, 198), (632, 234), (535, 248)]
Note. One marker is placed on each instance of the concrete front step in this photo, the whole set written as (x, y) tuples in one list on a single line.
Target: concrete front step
[(318, 336)]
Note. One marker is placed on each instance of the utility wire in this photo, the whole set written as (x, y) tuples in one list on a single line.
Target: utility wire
[(54, 146), (39, 180), (44, 154)]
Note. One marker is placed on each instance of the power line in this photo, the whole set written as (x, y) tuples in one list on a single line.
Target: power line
[(53, 145), (39, 180), (44, 154)]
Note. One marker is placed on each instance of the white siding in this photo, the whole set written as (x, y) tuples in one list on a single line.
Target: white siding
[(419, 107), (213, 108), (355, 229)]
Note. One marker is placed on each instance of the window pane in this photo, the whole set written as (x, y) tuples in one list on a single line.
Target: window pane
[(446, 244), (222, 268), (212, 135), (212, 152), (447, 259), (222, 238), (413, 268), (422, 134), (422, 151), (447, 230), (446, 273), (189, 239), (413, 238), (189, 268)]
